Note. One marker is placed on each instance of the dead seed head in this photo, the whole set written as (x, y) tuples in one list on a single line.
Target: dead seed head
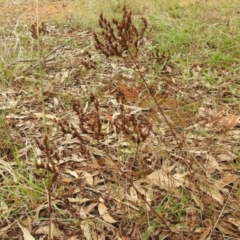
[(37, 30), (119, 37)]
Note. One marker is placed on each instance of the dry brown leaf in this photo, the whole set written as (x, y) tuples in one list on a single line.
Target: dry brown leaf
[(56, 101), (66, 180), (103, 211), (197, 200), (26, 234), (235, 222), (86, 228), (54, 231), (230, 121), (228, 157), (3, 208), (89, 178), (211, 165), (72, 173), (25, 221), (137, 185), (43, 206), (79, 199), (227, 229), (213, 192), (15, 116), (6, 166), (64, 75), (181, 178), (165, 180), (73, 238), (74, 158), (88, 208), (207, 230), (133, 197), (49, 116), (97, 151), (226, 180)]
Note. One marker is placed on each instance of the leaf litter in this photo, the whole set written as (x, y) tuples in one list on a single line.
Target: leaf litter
[(108, 182)]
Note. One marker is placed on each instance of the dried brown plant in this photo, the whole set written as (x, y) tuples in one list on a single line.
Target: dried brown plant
[(119, 38), (88, 62), (122, 39), (36, 29)]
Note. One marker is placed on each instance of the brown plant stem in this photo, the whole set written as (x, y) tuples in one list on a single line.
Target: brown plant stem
[(153, 97)]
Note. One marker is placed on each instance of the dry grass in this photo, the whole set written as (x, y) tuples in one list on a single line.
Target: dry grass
[(87, 12)]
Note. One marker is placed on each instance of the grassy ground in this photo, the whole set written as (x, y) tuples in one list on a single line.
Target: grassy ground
[(129, 146)]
